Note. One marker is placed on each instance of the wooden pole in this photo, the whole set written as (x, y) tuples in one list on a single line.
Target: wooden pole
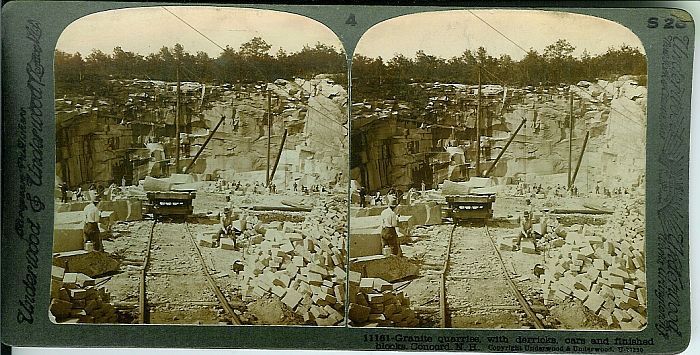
[(201, 149), (488, 172), (478, 127), (580, 158), (233, 115), (277, 160), (571, 134), (177, 120), (269, 134)]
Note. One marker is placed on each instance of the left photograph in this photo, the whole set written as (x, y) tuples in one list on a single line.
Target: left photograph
[(201, 169)]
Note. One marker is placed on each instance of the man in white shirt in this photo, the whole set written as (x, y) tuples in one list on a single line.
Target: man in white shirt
[(390, 221), (91, 231)]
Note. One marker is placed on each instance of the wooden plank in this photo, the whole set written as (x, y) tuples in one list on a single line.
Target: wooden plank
[(280, 208), (579, 211)]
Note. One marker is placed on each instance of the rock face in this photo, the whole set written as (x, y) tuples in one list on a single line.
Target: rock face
[(302, 264), (67, 237), (68, 225), (75, 299), (423, 213), (153, 184), (373, 302), (124, 210), (365, 242), (90, 263), (449, 188), (618, 109), (604, 270), (316, 147), (612, 112), (390, 268)]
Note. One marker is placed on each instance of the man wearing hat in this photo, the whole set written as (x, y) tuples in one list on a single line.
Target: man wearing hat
[(225, 225), (91, 231), (526, 226), (390, 220)]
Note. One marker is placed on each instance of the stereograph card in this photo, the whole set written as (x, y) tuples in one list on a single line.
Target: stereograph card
[(420, 178)]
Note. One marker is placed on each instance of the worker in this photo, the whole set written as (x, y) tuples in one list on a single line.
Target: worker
[(91, 230), (526, 224), (109, 192), (64, 192), (538, 270), (363, 194), (100, 190), (545, 221), (243, 220), (409, 196), (225, 226), (389, 195), (390, 221), (526, 229), (229, 203)]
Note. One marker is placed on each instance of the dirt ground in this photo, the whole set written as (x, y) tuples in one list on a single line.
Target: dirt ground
[(176, 288), (478, 295)]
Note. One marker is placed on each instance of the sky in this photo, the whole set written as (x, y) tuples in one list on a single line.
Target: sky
[(146, 30), (442, 33), (448, 34)]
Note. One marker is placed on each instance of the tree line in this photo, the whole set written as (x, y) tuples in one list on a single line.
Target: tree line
[(372, 77), (377, 78), (250, 63)]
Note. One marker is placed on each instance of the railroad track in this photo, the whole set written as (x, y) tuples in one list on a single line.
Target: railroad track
[(474, 276), (174, 272)]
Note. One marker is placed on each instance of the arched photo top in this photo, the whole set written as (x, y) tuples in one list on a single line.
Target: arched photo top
[(245, 106), (205, 31), (449, 33), (512, 122)]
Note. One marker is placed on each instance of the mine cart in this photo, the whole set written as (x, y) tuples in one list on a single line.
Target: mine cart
[(470, 207), (170, 203)]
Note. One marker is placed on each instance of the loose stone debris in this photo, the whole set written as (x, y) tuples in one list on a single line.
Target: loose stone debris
[(283, 256), (75, 298), (375, 303), (581, 262)]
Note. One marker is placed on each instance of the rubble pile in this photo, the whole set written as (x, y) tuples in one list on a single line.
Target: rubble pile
[(475, 185), (605, 271), (374, 302), (76, 299), (303, 264), (616, 110), (313, 115)]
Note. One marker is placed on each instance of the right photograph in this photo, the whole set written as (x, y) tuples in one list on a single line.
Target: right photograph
[(498, 168)]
